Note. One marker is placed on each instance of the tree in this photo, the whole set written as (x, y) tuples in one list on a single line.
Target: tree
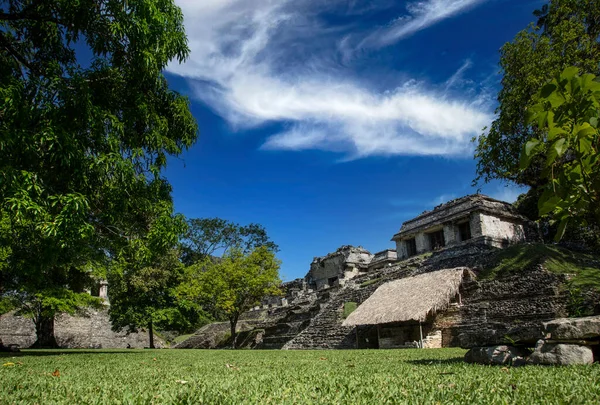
[(234, 284), (143, 279), (87, 121), (206, 236), (568, 34), (567, 113)]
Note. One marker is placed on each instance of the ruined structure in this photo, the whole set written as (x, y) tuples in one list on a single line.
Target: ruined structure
[(338, 267), (407, 299), (90, 329), (474, 218)]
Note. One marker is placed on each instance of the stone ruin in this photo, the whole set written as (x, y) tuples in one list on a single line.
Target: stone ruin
[(471, 219), (504, 320), (91, 329)]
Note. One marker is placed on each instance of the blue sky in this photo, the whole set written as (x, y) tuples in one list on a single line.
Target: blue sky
[(331, 122)]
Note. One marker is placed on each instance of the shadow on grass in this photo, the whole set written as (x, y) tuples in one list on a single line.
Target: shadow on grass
[(433, 362), (66, 352)]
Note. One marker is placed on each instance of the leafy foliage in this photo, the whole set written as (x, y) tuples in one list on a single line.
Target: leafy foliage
[(207, 236), (568, 111), (233, 284), (568, 34), (143, 279), (362, 377), (86, 124)]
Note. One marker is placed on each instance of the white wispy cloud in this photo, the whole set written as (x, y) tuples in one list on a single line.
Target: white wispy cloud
[(263, 61), (421, 15)]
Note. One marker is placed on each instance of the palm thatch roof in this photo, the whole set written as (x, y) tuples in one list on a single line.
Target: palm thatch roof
[(409, 299)]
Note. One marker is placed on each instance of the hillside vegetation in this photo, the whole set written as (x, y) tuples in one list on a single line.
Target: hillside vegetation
[(583, 269)]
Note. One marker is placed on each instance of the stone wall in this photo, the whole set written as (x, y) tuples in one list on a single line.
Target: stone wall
[(508, 309), (502, 228), (73, 332)]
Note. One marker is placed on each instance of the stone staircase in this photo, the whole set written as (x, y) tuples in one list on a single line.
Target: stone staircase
[(325, 330)]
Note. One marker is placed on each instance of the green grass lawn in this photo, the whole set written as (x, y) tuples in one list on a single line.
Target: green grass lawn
[(284, 377)]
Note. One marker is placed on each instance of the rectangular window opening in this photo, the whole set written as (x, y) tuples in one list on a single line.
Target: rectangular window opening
[(436, 240), (464, 231), (411, 247)]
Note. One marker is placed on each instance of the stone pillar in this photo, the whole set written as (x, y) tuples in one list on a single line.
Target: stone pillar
[(103, 290), (422, 242), (477, 227), (401, 249), (449, 233)]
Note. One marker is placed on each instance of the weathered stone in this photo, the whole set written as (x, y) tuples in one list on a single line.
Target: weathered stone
[(500, 355), (560, 354), (524, 333), (573, 328)]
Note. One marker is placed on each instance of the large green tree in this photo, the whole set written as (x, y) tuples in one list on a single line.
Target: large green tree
[(87, 121), (567, 34), (143, 278), (233, 284)]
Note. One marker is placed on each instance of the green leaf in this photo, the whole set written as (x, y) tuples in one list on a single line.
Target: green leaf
[(585, 130), (548, 205), (554, 132), (560, 146), (530, 146), (569, 73), (547, 90), (594, 122), (561, 229), (556, 99)]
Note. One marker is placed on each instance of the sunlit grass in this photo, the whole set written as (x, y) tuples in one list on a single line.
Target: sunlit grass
[(285, 377)]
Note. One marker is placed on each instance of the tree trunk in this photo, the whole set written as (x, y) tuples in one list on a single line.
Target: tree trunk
[(44, 330), (233, 323), (151, 335)]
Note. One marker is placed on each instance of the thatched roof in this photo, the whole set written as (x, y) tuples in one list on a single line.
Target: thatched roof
[(409, 299)]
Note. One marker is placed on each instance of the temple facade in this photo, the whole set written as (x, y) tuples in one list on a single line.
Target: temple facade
[(474, 218)]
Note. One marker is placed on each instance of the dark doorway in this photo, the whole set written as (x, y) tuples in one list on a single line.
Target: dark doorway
[(436, 239), (464, 231), (411, 247)]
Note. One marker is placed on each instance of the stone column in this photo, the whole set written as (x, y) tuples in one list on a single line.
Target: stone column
[(449, 233), (103, 290), (422, 242), (401, 249), (477, 228)]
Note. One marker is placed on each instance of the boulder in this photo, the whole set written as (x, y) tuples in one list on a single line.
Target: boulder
[(527, 333), (500, 355), (560, 354), (573, 328)]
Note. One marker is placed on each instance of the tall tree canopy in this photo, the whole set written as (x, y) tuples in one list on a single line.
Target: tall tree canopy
[(567, 34), (207, 236), (87, 121)]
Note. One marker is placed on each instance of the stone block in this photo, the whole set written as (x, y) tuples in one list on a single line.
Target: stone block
[(573, 328), (499, 355), (560, 354)]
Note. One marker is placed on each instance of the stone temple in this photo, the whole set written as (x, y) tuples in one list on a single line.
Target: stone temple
[(474, 218)]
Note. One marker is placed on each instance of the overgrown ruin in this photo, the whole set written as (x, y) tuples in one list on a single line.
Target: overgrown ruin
[(431, 292)]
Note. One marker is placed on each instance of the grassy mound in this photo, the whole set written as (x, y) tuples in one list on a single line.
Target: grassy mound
[(583, 268)]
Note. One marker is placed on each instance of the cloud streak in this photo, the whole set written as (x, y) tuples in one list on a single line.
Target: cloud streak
[(279, 62), (421, 15)]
